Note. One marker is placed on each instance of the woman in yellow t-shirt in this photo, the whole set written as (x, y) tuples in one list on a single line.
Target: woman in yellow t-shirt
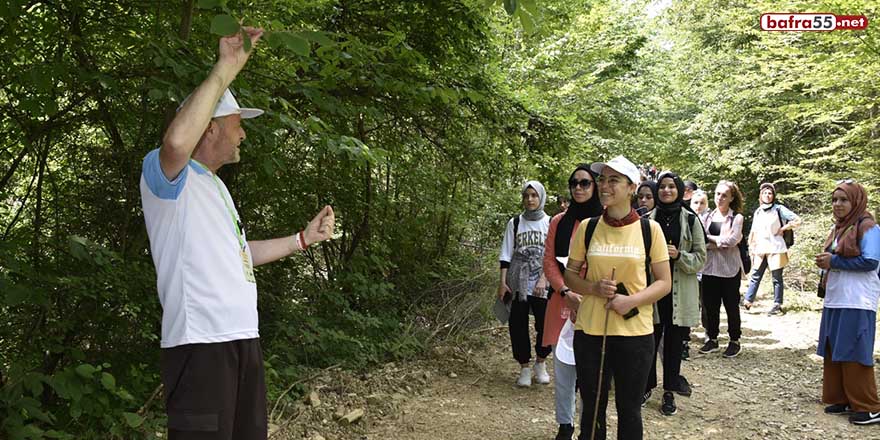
[(616, 247)]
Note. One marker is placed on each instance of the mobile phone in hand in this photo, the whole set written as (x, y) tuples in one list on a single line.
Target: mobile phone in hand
[(621, 290)]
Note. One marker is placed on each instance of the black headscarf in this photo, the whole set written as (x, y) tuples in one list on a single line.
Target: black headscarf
[(576, 211), (677, 204), (674, 208)]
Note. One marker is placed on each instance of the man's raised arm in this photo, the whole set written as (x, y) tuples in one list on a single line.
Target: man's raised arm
[(189, 124)]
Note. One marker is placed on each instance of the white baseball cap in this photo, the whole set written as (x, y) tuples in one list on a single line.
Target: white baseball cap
[(620, 164), (229, 106)]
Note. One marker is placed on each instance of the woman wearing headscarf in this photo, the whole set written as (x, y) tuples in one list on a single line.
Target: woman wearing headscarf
[(674, 314), (767, 245), (522, 257), (646, 197), (558, 330), (614, 329), (851, 288)]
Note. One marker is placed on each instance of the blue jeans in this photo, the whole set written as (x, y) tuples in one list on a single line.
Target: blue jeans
[(566, 386), (755, 281)]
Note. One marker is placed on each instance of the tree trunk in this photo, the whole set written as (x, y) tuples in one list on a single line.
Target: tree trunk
[(186, 17)]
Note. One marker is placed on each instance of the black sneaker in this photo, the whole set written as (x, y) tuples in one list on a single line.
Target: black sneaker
[(565, 432), (710, 346), (839, 409), (645, 398), (668, 407), (733, 349), (864, 418), (685, 351), (684, 388), (776, 310)]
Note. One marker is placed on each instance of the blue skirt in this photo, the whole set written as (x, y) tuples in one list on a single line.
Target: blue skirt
[(850, 333)]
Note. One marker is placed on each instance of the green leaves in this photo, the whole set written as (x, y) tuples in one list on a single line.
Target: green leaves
[(297, 44), (14, 294), (211, 4), (510, 6), (224, 25), (108, 381), (321, 38), (133, 420), (86, 371), (78, 248)]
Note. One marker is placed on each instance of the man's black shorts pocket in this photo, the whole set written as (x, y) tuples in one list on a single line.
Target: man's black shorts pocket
[(173, 370), (192, 421)]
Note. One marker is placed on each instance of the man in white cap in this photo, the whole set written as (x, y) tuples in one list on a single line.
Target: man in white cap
[(212, 365)]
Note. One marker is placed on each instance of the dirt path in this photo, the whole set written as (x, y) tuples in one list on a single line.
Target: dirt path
[(771, 390)]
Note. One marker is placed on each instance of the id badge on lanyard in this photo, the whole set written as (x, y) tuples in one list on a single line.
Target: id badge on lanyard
[(246, 264)]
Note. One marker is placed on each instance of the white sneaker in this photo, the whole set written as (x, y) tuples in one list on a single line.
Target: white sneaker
[(541, 373), (525, 377)]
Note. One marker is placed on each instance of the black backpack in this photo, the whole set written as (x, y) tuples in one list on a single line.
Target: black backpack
[(787, 235), (743, 246), (515, 230)]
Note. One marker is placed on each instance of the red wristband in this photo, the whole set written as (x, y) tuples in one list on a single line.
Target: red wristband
[(302, 240)]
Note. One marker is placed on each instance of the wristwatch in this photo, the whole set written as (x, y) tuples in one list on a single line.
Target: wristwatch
[(564, 291)]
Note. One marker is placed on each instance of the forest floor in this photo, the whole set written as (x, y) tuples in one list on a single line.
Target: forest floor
[(771, 390)]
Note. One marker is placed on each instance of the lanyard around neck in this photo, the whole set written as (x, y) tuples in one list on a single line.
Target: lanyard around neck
[(225, 202)]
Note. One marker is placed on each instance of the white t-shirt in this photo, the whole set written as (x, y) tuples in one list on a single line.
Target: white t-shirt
[(529, 234), (765, 228), (849, 289), (565, 345), (201, 280)]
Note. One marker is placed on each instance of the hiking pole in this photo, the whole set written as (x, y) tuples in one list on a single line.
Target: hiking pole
[(601, 370)]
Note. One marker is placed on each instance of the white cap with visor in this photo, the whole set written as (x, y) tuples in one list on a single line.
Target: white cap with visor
[(620, 164), (229, 106)]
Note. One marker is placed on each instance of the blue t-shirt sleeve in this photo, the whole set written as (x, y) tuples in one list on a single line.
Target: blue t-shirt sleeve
[(870, 258), (787, 214), (155, 178)]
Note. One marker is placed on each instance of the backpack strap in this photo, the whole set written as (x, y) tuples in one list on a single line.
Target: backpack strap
[(588, 234), (646, 239), (779, 214), (692, 218), (515, 230)]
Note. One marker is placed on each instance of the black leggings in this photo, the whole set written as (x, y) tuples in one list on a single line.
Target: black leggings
[(627, 360), (718, 290), (518, 325), (672, 335)]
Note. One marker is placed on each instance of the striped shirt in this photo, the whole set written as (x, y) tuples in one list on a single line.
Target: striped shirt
[(722, 253)]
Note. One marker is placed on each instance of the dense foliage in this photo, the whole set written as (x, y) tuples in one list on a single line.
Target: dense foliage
[(417, 120)]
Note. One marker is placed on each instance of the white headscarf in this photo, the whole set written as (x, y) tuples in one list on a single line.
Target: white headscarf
[(538, 213)]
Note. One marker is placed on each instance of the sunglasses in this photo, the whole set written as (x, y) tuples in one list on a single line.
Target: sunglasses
[(584, 183), (846, 181)]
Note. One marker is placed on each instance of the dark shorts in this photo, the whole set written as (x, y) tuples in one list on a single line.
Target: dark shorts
[(215, 391)]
